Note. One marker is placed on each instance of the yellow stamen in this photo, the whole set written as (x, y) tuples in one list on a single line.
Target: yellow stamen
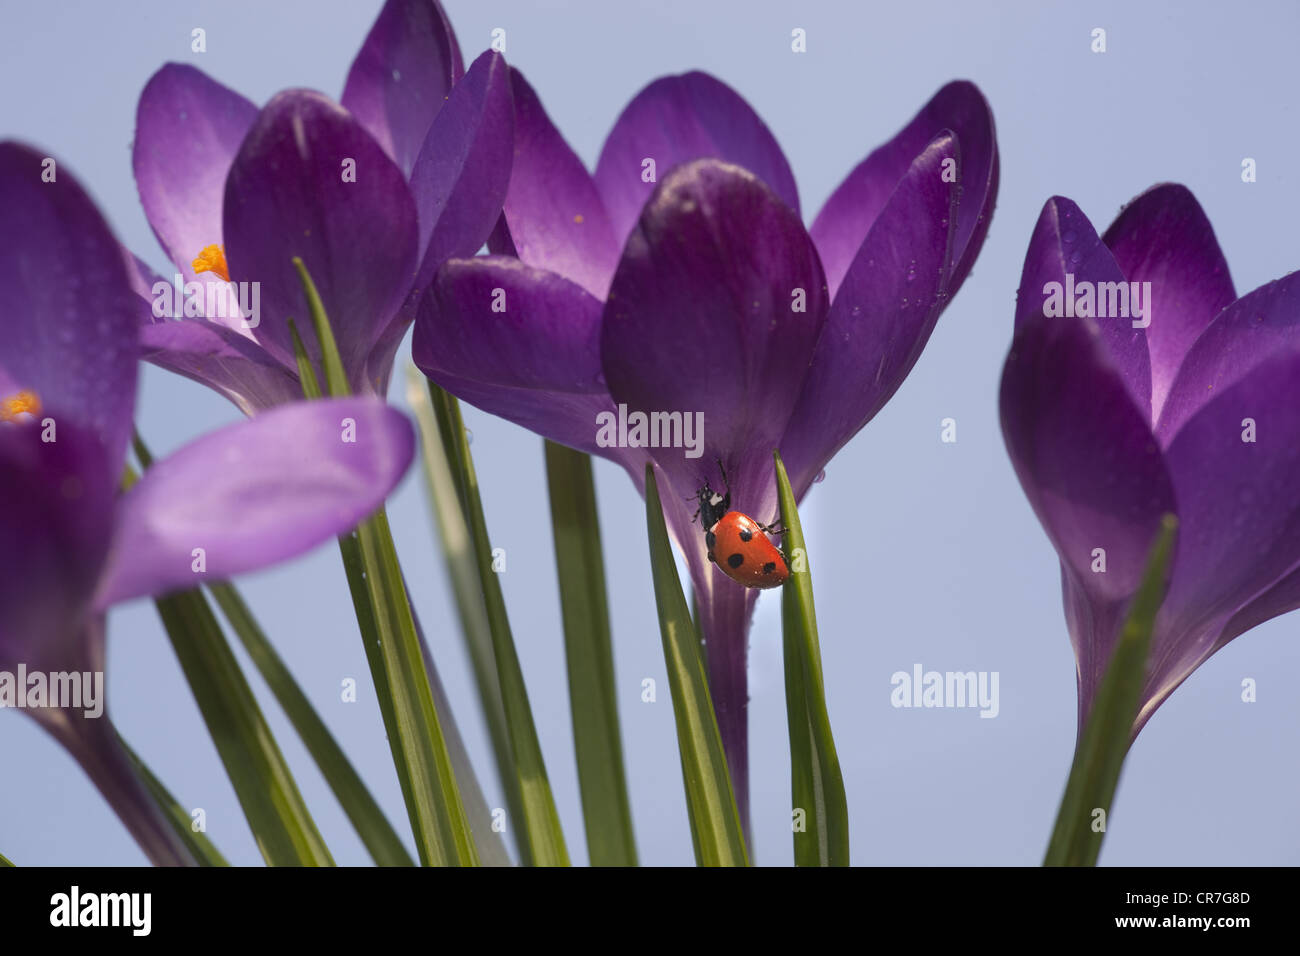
[(22, 403), (212, 259)]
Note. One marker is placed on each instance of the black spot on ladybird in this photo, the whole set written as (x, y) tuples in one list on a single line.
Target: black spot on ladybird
[(736, 560), (769, 567), (746, 535)]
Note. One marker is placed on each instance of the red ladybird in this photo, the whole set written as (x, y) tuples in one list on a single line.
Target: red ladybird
[(737, 543)]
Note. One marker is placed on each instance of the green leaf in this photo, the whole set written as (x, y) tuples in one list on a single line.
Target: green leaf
[(447, 503), (275, 810), (542, 840), (4, 861), (362, 810), (336, 379), (817, 783), (420, 756), (1108, 732), (710, 799), (607, 813), (200, 847)]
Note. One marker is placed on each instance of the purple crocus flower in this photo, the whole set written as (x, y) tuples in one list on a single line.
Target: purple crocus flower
[(236, 500), (680, 279), (372, 194), (1139, 383)]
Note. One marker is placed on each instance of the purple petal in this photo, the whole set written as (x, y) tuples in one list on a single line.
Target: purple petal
[(672, 121), (1260, 324), (402, 75), (537, 363), (553, 214), (54, 533), (1064, 253), (1240, 513), (881, 318), (702, 314), (1164, 238), (287, 195), (188, 129), (1095, 478), (844, 221), (459, 181), (221, 359), (68, 329), (256, 493)]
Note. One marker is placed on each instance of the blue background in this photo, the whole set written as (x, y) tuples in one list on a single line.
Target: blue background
[(923, 552)]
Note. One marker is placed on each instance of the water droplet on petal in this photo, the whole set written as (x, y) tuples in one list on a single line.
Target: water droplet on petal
[(821, 476), (1069, 236), (397, 76), (1075, 257), (469, 437)]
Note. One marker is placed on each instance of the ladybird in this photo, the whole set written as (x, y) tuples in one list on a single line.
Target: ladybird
[(738, 544)]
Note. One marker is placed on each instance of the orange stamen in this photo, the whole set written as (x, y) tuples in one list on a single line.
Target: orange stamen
[(212, 259), (23, 403)]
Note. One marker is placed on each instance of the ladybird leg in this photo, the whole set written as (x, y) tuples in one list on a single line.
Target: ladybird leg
[(725, 482)]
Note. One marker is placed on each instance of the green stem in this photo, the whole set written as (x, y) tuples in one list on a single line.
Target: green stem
[(1108, 732), (378, 835), (607, 813), (710, 798), (266, 789), (543, 839)]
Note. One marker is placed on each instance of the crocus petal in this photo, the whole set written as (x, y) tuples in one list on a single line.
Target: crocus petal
[(518, 342), (54, 534), (1064, 253), (1163, 237), (221, 359), (188, 128), (1240, 514), (1260, 324), (402, 75), (881, 318), (704, 312), (255, 493), (554, 215), (460, 178), (844, 221), (69, 320), (290, 193), (1091, 469), (672, 121)]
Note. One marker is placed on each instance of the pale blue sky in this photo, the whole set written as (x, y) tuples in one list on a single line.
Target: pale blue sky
[(922, 552)]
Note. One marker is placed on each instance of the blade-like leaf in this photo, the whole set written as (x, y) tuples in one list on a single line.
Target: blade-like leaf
[(196, 841), (607, 813), (710, 799), (542, 840), (1108, 732), (362, 810), (4, 861), (433, 802), (817, 783), (447, 503), (275, 810)]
